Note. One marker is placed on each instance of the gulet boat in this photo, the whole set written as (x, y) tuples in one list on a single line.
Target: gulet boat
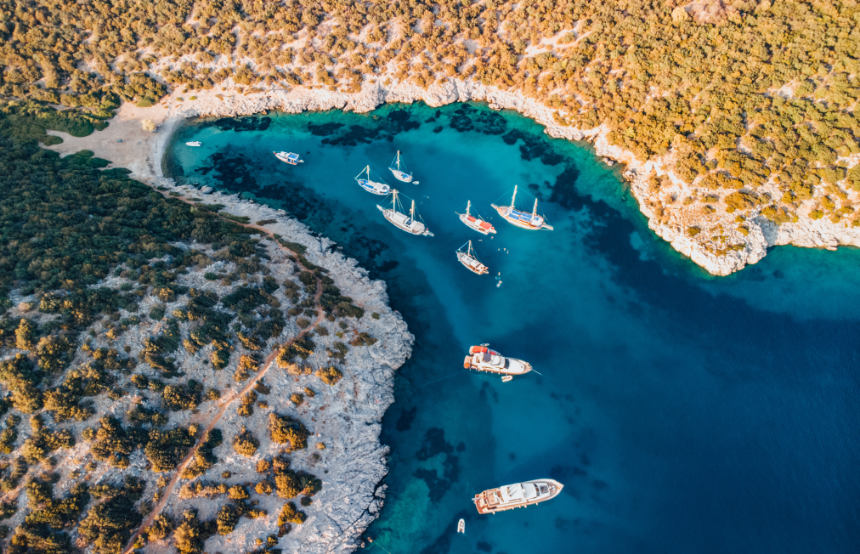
[(403, 221), (288, 157), (398, 169), (476, 223), (524, 220), (516, 495), (481, 358), (373, 187), (469, 261)]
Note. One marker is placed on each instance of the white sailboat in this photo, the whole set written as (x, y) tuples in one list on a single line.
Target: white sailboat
[(469, 261), (193, 143), (374, 187), (291, 158), (403, 221), (524, 220), (476, 223), (398, 169)]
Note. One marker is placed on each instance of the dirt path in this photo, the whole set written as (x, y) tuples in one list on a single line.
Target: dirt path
[(234, 395)]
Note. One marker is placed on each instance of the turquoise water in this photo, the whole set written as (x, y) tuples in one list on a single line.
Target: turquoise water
[(683, 413)]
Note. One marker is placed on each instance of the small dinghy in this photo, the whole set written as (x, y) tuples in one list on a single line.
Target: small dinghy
[(469, 261), (373, 187), (481, 358), (398, 169), (403, 221), (461, 526), (193, 143), (523, 220), (288, 157), (476, 223)]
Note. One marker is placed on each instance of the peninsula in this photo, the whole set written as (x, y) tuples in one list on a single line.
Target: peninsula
[(186, 368)]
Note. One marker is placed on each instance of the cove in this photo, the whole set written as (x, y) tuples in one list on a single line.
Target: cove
[(683, 413)]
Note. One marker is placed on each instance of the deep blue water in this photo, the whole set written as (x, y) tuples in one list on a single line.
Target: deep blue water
[(683, 413)]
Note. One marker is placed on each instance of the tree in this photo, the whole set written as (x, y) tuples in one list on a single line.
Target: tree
[(286, 430), (25, 334)]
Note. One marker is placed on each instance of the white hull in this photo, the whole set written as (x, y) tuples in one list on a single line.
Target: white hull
[(481, 358), (404, 222), (472, 264), (400, 175), (288, 157), (193, 143), (535, 223), (516, 495), (374, 187), (479, 225)]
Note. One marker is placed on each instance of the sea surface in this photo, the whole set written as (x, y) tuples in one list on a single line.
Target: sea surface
[(684, 413)]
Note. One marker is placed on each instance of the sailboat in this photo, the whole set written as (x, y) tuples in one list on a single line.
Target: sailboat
[(288, 157), (531, 221), (404, 222), (193, 143), (373, 187), (469, 260), (398, 169), (476, 223)]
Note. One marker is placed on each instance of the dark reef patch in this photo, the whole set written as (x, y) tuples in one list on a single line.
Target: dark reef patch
[(564, 191), (435, 444), (231, 170), (407, 416), (257, 123), (469, 118), (533, 147), (324, 129)]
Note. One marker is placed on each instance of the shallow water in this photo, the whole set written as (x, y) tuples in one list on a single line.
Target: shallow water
[(683, 413)]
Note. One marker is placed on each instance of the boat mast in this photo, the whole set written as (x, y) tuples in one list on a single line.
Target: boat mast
[(534, 210), (397, 160), (514, 197), (412, 212), (468, 205), (469, 250), (394, 200)]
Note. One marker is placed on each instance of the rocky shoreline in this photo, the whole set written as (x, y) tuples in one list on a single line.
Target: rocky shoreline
[(667, 219), (355, 460), (351, 498)]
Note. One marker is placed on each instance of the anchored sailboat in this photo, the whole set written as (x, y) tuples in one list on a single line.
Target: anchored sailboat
[(403, 221), (398, 169), (193, 143), (373, 187), (469, 260), (476, 223), (288, 157), (524, 220)]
